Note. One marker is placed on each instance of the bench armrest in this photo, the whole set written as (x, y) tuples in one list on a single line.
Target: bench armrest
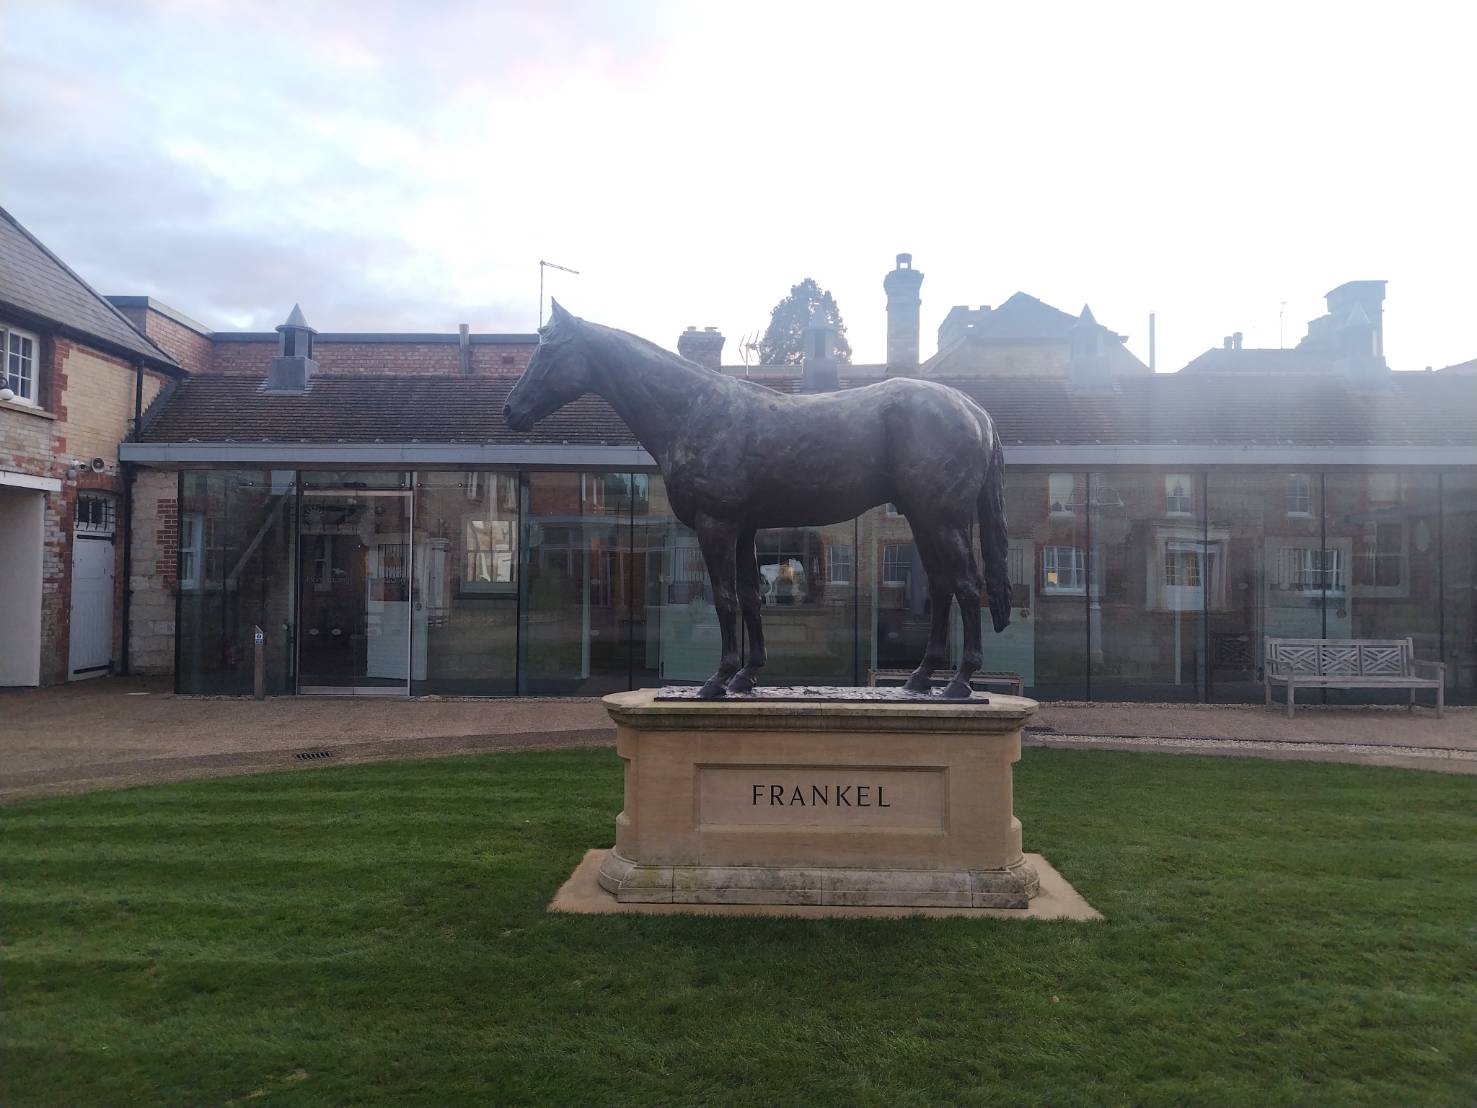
[(1438, 669)]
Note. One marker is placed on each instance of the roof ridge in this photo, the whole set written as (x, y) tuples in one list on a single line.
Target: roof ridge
[(162, 355)]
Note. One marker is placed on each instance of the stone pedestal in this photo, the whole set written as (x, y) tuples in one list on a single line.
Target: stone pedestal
[(816, 802)]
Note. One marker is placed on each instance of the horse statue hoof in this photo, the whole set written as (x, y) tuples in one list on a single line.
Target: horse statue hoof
[(712, 690), (741, 683), (958, 690), (916, 684)]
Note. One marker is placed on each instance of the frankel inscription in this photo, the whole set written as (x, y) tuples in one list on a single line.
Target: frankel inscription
[(821, 796), (829, 797)]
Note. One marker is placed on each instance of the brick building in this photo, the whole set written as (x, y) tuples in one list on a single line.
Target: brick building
[(75, 377), (359, 498)]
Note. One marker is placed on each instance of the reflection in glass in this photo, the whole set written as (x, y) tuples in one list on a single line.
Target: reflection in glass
[(1151, 569), (1458, 543), (235, 573), (577, 582), (466, 579), (1384, 526), (355, 618)]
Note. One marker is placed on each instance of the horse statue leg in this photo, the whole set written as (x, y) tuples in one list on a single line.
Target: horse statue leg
[(748, 594), (717, 540), (940, 597), (952, 575), (968, 586)]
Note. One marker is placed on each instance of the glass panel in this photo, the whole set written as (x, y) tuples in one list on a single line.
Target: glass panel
[(1459, 578), (897, 603), (1385, 528), (1046, 642), (1276, 572), (809, 619), (675, 630), (1151, 569), (466, 583), (578, 581), (354, 553), (235, 573)]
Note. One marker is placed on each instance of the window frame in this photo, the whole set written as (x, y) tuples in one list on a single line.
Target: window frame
[(1077, 565), (832, 561), (1287, 500), (1186, 483), (8, 334), (885, 562)]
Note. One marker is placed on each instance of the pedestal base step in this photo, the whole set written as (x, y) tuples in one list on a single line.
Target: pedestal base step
[(631, 883), (582, 894)]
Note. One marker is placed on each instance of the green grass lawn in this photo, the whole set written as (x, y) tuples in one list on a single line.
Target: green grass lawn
[(1276, 933)]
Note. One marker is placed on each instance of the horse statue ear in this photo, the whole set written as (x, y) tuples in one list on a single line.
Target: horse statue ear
[(557, 314)]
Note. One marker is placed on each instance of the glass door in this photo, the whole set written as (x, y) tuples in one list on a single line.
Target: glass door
[(354, 556)]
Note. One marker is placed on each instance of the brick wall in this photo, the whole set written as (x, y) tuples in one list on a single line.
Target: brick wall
[(184, 344), (155, 538), (407, 358), (86, 406)]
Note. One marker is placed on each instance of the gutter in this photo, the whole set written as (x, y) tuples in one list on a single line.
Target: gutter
[(633, 457)]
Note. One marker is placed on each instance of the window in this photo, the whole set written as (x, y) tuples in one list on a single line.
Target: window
[(897, 563), (96, 514), (20, 364), (892, 512), (840, 569), (191, 546), (1379, 559), (1181, 566), (1061, 493), (1063, 569), (1177, 500), (1307, 569), (1300, 495)]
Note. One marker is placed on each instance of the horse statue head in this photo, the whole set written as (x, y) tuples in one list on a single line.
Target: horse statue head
[(559, 372)]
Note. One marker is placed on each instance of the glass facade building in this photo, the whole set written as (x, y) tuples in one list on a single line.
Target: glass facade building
[(1130, 584)]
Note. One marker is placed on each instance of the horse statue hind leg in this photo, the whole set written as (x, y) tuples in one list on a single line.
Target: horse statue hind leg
[(953, 574)]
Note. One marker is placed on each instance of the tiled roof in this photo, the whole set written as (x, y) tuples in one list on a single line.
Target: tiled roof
[(37, 283), (1419, 409)]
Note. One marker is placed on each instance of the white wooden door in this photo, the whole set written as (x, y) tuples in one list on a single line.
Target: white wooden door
[(92, 605)]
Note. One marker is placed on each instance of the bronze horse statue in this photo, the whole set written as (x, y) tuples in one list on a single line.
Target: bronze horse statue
[(738, 457)]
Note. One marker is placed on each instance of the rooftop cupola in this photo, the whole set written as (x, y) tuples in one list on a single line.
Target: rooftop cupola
[(293, 367)]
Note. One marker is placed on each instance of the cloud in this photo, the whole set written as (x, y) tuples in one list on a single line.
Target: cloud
[(406, 165)]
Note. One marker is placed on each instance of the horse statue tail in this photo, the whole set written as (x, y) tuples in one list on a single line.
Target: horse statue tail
[(994, 540)]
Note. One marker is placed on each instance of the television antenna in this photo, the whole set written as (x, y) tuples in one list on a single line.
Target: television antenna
[(748, 347), (543, 265)]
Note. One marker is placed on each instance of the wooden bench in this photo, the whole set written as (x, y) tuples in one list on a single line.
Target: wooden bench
[(1350, 664), (1013, 682)]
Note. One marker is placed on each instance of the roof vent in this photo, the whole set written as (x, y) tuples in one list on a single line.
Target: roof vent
[(293, 367)]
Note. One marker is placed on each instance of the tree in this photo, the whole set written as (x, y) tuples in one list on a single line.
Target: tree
[(784, 342)]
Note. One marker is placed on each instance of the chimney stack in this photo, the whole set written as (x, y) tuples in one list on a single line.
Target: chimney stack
[(704, 347), (293, 367), (818, 372), (901, 286)]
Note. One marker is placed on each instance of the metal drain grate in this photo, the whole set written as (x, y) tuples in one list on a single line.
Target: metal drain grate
[(313, 755)]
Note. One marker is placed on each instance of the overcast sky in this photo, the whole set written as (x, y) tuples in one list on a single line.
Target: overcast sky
[(404, 166)]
